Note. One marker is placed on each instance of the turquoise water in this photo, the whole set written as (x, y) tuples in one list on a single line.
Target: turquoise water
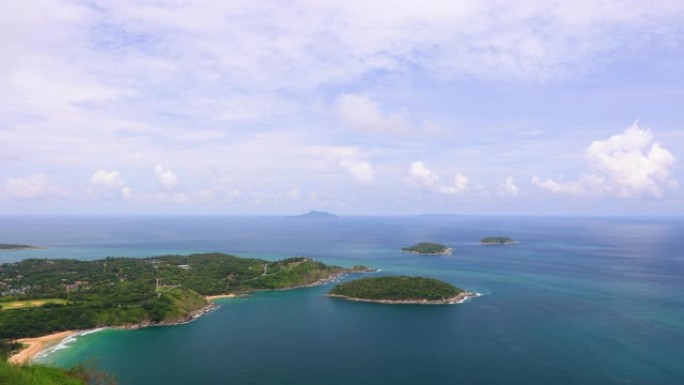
[(578, 301)]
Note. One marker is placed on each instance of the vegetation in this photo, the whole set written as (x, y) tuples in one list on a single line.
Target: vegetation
[(44, 375), (427, 248), (496, 241), (133, 291), (396, 288), (10, 246)]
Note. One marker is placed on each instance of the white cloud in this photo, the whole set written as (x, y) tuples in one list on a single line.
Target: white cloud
[(360, 170), (31, 187), (421, 176), (164, 176), (360, 111), (560, 187), (348, 159), (459, 185), (629, 165), (109, 185), (509, 188)]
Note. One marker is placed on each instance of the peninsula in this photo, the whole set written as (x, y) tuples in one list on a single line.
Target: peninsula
[(39, 297), (400, 290), (427, 248), (497, 241)]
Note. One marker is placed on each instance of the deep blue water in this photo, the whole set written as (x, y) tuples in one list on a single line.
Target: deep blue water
[(577, 301)]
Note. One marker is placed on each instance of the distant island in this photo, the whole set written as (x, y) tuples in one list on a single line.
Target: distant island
[(497, 241), (427, 248), (313, 214), (43, 296), (10, 246), (400, 290)]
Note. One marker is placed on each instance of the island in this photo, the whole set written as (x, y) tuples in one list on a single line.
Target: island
[(400, 290), (11, 246), (427, 248), (497, 241), (39, 297), (313, 214)]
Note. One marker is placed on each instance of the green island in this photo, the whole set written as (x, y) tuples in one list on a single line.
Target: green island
[(497, 241), (11, 246), (400, 290), (43, 296), (427, 248)]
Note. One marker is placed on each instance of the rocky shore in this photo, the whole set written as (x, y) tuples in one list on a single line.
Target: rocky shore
[(460, 298)]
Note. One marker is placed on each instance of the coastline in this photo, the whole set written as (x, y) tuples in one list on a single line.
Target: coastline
[(220, 296), (460, 298), (35, 345)]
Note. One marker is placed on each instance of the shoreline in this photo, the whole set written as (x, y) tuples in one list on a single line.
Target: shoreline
[(460, 298), (35, 345), (220, 296)]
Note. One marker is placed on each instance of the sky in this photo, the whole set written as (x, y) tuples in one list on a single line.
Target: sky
[(354, 107)]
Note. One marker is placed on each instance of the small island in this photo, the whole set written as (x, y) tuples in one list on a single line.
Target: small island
[(401, 290), (313, 214), (497, 241), (427, 248), (11, 246)]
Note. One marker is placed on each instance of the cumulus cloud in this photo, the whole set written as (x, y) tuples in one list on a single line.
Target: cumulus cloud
[(422, 177), (629, 165), (348, 159), (509, 188), (560, 187), (31, 187), (164, 176), (108, 185), (360, 170), (360, 111)]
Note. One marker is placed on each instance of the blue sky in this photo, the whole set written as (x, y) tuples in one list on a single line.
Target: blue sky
[(388, 107)]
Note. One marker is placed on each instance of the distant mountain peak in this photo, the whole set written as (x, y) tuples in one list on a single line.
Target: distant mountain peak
[(314, 214)]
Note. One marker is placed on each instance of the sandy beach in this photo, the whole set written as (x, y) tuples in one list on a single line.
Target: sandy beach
[(35, 345), (219, 296)]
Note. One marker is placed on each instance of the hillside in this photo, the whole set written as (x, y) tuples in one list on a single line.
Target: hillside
[(65, 294)]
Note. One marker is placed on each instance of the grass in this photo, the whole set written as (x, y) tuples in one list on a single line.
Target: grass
[(36, 375), (31, 303)]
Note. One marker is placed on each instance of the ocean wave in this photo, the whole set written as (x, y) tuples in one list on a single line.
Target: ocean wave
[(64, 344)]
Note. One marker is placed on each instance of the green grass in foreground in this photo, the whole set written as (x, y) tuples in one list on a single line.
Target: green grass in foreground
[(44, 375), (32, 303)]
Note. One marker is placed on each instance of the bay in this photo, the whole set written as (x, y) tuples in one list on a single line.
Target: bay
[(577, 301)]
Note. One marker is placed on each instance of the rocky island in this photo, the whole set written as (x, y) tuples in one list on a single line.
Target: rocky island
[(401, 290), (427, 248), (497, 241)]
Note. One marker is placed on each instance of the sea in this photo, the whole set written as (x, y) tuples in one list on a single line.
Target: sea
[(578, 301)]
